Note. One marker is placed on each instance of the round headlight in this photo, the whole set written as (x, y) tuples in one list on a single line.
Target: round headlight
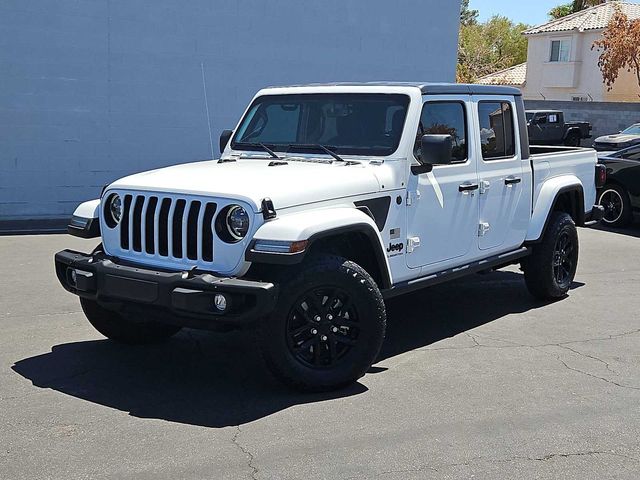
[(237, 221), (113, 210)]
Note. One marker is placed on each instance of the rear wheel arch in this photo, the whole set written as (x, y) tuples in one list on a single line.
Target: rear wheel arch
[(568, 199)]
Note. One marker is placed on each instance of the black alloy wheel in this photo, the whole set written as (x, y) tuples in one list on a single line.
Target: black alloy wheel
[(327, 327), (563, 261), (322, 327)]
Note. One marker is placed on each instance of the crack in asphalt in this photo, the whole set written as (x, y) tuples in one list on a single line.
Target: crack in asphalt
[(543, 458), (578, 454), (246, 452), (606, 364), (563, 345)]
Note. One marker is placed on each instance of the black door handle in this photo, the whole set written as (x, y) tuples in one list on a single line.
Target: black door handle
[(467, 187), (512, 180)]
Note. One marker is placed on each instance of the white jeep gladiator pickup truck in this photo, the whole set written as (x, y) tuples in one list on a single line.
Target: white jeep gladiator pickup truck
[(328, 199)]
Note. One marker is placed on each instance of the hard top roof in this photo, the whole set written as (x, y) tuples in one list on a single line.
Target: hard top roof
[(428, 88)]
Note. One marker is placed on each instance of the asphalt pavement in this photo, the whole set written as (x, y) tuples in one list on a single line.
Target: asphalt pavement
[(476, 380)]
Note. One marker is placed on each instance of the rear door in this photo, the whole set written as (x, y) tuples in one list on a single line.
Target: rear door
[(504, 179)]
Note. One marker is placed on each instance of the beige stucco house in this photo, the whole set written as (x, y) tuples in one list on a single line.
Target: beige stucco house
[(561, 64)]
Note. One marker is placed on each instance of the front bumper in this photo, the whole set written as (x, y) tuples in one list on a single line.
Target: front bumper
[(181, 298)]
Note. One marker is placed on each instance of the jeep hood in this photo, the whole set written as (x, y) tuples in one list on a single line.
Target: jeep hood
[(251, 180)]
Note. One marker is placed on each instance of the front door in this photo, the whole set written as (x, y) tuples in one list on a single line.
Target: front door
[(442, 206), (504, 201)]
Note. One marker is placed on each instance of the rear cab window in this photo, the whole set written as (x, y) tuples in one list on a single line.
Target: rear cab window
[(497, 134)]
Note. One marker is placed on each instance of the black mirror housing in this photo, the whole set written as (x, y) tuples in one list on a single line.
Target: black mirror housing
[(434, 150), (225, 136)]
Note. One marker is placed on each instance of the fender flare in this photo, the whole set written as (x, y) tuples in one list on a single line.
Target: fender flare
[(85, 222), (572, 130), (547, 200), (312, 226)]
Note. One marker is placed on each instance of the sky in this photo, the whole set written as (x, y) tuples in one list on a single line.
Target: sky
[(532, 12)]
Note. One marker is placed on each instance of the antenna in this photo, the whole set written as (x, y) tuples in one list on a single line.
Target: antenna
[(206, 105)]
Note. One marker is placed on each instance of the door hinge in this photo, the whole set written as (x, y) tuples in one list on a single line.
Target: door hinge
[(483, 228), (412, 197), (412, 244), (484, 186)]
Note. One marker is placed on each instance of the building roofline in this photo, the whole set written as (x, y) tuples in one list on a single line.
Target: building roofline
[(547, 28)]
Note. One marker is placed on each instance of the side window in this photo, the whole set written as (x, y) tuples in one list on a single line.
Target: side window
[(445, 118), (496, 130), (553, 118)]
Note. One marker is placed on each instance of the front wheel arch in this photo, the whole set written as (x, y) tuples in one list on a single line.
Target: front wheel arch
[(358, 242)]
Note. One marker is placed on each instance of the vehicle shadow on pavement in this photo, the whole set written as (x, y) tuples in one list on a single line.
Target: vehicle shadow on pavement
[(218, 380)]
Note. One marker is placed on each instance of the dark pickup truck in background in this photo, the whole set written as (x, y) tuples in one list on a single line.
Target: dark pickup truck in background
[(547, 127)]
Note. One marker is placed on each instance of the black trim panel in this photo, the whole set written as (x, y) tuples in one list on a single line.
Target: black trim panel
[(452, 273), (377, 209)]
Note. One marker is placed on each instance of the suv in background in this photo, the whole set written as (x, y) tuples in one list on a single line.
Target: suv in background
[(547, 127)]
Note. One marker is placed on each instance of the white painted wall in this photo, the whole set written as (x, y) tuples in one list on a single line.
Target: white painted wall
[(580, 76)]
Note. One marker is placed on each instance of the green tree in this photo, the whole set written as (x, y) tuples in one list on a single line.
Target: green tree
[(572, 7), (487, 47), (467, 16)]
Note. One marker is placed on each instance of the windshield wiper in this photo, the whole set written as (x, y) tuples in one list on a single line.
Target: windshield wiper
[(316, 146), (262, 146)]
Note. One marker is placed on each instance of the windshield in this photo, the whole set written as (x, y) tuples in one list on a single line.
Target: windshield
[(345, 123), (632, 130)]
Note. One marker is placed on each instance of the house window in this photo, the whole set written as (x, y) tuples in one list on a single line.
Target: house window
[(560, 50)]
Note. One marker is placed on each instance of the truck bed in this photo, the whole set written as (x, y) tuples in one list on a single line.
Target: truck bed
[(548, 162)]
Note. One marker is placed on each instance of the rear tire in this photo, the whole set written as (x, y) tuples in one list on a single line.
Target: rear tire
[(573, 140), (617, 206), (550, 269), (327, 328), (121, 329)]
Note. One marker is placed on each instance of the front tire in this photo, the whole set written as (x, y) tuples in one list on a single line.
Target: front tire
[(121, 329), (550, 269), (327, 328), (617, 206)]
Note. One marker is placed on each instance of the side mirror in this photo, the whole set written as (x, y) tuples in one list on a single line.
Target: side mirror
[(225, 136), (434, 150)]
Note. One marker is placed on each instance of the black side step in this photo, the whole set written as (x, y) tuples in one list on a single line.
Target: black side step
[(501, 260)]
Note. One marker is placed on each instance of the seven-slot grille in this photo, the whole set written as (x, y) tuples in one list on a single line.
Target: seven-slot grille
[(168, 227)]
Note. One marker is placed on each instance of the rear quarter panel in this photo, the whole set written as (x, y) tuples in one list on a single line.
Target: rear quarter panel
[(554, 171)]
